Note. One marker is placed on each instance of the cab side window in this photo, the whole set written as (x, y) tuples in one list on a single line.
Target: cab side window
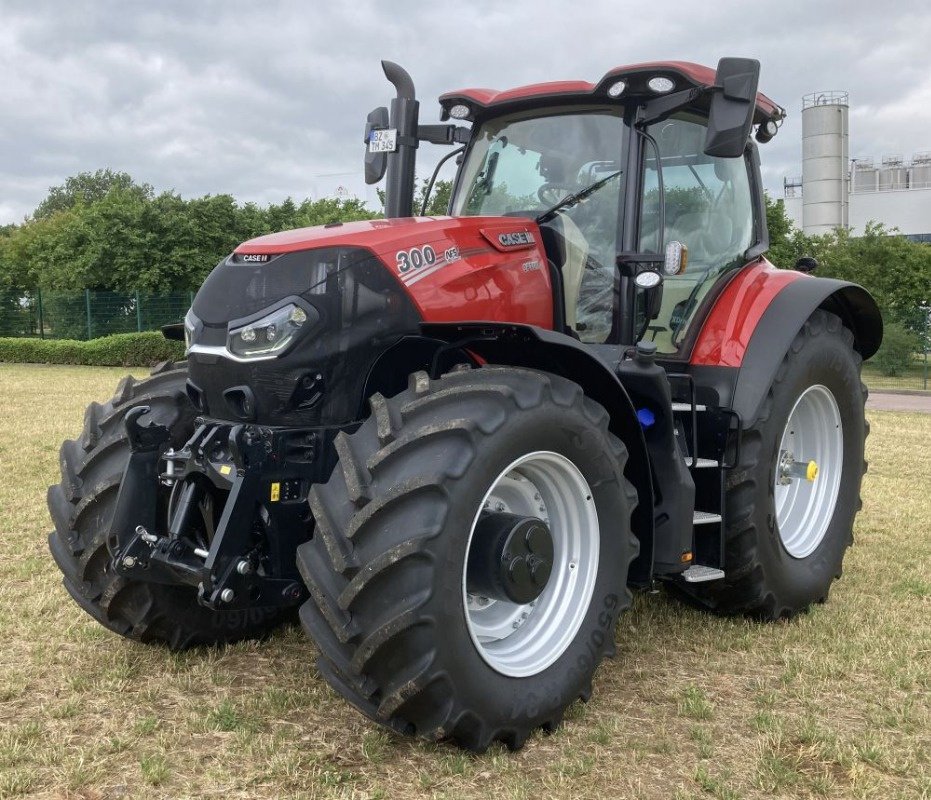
[(707, 205)]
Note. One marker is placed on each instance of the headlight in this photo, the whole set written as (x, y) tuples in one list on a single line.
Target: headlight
[(272, 333)]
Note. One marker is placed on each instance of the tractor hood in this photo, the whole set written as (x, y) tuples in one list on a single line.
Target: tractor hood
[(286, 329), (453, 269)]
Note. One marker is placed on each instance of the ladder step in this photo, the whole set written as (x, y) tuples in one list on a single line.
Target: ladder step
[(701, 463), (705, 517), (687, 407), (699, 574)]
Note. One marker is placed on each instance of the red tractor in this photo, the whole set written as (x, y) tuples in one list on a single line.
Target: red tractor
[(457, 443)]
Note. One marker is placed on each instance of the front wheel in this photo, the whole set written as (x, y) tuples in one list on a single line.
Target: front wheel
[(82, 507), (470, 555), (791, 502)]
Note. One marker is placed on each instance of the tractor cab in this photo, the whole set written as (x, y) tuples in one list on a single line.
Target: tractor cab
[(654, 159)]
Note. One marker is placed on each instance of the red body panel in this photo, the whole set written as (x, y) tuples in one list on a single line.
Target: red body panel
[(470, 279), (693, 74), (724, 337)]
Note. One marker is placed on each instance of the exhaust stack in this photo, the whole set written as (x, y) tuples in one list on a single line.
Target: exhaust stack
[(399, 189)]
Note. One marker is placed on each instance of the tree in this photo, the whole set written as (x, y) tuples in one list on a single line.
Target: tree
[(438, 203), (787, 244), (896, 271), (326, 210), (88, 188)]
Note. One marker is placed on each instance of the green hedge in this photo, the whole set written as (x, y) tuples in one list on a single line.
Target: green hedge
[(119, 350)]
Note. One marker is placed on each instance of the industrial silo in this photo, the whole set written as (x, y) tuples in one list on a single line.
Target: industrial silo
[(824, 162)]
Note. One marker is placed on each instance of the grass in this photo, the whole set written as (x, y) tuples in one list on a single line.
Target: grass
[(833, 704)]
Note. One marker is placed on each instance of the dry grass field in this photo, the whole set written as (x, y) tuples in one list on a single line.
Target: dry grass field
[(835, 704)]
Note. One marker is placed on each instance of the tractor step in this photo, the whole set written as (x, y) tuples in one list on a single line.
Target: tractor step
[(701, 463), (699, 574), (705, 518)]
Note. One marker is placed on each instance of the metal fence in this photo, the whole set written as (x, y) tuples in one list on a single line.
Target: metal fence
[(915, 377), (88, 314)]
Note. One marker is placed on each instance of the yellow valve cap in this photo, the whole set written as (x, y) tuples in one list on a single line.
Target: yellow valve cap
[(812, 472)]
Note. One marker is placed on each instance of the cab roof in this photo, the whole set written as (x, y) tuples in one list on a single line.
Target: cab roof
[(683, 74)]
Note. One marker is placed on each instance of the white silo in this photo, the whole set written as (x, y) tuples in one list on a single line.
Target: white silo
[(824, 162)]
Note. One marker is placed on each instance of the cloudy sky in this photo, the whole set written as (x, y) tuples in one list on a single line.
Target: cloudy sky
[(266, 100)]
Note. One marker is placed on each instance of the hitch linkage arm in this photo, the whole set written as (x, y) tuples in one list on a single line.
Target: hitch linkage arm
[(226, 576)]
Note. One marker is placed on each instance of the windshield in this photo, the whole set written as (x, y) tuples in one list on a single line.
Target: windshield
[(524, 164)]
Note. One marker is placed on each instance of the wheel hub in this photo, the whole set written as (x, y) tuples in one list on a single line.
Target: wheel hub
[(511, 557), (790, 469), (534, 535)]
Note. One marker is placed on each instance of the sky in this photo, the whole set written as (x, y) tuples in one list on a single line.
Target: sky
[(265, 100)]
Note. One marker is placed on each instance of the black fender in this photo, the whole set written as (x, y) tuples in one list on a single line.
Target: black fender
[(550, 351), (784, 318)]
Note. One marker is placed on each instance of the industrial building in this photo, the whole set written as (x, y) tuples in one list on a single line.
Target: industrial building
[(838, 191)]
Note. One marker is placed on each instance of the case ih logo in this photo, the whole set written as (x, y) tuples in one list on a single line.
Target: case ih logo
[(254, 258), (516, 239)]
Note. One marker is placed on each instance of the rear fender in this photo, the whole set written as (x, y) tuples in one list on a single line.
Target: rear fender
[(550, 351), (759, 327)]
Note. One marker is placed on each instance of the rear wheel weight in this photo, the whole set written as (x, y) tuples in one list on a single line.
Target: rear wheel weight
[(82, 506), (791, 502), (390, 609)]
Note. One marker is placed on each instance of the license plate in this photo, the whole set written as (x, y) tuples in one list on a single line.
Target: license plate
[(383, 141)]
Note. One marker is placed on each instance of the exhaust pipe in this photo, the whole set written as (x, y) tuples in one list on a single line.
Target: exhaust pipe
[(399, 188)]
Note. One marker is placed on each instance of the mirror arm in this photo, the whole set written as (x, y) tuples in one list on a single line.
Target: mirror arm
[(443, 134), (659, 108), (628, 264)]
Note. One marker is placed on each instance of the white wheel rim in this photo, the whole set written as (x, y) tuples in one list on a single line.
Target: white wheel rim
[(521, 640), (804, 508)]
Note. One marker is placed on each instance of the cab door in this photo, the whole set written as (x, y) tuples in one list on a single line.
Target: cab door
[(706, 204)]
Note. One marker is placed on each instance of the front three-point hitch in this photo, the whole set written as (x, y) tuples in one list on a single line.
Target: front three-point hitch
[(231, 511)]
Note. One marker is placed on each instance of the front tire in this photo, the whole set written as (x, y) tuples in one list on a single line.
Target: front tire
[(82, 506), (786, 536), (387, 566)]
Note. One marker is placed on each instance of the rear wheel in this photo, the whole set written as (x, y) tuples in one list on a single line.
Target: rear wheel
[(82, 506), (470, 555), (791, 502)]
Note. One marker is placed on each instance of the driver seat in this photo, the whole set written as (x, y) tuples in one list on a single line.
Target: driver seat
[(570, 257)]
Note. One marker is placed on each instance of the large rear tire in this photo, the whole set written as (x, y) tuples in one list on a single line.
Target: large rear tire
[(389, 568), (82, 506), (786, 535)]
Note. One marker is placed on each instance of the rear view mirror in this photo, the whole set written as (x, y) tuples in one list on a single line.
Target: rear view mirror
[(732, 107), (375, 163)]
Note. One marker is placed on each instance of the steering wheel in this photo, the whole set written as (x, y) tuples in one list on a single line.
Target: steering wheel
[(551, 193)]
